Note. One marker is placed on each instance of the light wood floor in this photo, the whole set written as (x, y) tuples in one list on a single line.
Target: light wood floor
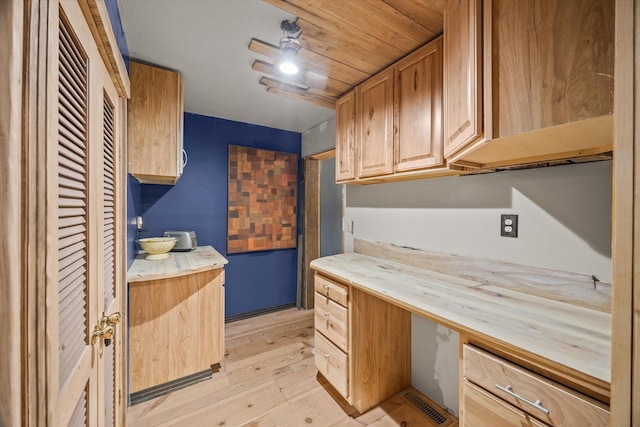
[(268, 378)]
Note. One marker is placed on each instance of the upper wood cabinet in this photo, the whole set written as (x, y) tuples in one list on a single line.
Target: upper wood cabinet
[(374, 103), (346, 137), (155, 125), (537, 85), (463, 76), (390, 127), (551, 62), (418, 109)]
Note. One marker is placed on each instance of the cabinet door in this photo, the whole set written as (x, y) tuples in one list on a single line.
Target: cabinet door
[(462, 75), (179, 320), (418, 109), (375, 121), (155, 125), (346, 137), (481, 409), (552, 62)]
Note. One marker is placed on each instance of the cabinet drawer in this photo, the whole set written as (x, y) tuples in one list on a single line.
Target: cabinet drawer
[(331, 320), (565, 407), (481, 409), (331, 289), (332, 364)]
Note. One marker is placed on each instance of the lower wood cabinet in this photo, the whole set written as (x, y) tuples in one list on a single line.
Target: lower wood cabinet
[(496, 392), (331, 321), (363, 344), (176, 327), (332, 363), (482, 409)]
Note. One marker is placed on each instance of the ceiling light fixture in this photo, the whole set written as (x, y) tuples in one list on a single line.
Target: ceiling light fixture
[(289, 46)]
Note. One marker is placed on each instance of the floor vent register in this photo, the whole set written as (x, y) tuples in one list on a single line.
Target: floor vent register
[(426, 408)]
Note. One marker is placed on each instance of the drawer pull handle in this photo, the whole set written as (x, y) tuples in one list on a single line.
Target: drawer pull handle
[(326, 286), (326, 356), (326, 314), (537, 404)]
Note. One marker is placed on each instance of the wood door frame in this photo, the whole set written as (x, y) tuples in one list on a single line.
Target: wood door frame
[(625, 348), (311, 228), (311, 222), (23, 125), (13, 268)]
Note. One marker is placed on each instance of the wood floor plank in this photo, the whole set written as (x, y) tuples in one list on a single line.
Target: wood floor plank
[(348, 422), (267, 339), (267, 379), (263, 421), (315, 407), (180, 402), (380, 411), (233, 411), (300, 380), (267, 365)]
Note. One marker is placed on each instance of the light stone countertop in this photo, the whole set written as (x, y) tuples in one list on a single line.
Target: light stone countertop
[(178, 264), (570, 336)]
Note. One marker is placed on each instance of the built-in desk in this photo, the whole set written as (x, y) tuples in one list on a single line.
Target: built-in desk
[(176, 320), (553, 323)]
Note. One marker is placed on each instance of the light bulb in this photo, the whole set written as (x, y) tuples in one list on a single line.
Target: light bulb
[(288, 67)]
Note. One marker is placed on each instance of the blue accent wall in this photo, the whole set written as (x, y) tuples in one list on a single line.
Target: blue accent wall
[(116, 24), (198, 202), (133, 210), (133, 187)]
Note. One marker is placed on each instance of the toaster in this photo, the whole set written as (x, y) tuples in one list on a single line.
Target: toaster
[(186, 240)]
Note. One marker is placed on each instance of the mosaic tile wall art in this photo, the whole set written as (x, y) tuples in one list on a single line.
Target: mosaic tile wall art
[(261, 201)]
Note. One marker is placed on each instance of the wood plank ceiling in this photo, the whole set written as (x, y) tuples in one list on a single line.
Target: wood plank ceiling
[(344, 42)]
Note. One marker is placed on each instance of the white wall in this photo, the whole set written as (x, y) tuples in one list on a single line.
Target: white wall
[(319, 138), (564, 223), (564, 215)]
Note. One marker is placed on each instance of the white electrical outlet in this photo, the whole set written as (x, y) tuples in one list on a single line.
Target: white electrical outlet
[(509, 225)]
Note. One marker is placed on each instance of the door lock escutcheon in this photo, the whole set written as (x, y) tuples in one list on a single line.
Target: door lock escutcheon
[(105, 328), (106, 333)]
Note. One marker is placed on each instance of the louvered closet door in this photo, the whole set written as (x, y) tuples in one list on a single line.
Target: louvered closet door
[(112, 247), (87, 161)]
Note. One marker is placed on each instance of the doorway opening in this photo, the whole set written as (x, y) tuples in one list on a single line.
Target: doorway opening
[(322, 219)]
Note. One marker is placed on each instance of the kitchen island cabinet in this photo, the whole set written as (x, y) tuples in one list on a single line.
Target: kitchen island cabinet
[(556, 325), (176, 318)]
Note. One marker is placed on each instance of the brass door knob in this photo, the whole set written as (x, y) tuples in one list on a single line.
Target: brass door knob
[(106, 333), (112, 319)]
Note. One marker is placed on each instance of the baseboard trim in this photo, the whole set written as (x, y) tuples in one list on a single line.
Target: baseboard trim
[(168, 387), (260, 312)]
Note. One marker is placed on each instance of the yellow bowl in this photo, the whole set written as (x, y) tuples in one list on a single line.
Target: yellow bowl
[(157, 247)]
